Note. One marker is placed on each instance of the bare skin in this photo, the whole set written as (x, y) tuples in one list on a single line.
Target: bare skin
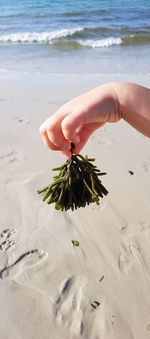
[(79, 118)]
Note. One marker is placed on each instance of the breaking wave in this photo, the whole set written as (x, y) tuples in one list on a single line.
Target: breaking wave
[(41, 37), (78, 37), (101, 43)]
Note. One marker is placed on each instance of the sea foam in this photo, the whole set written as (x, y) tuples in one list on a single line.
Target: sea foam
[(41, 37), (101, 43)]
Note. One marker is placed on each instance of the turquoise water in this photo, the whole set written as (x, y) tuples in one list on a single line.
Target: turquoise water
[(75, 36)]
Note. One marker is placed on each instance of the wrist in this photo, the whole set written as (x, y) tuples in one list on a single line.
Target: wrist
[(107, 104)]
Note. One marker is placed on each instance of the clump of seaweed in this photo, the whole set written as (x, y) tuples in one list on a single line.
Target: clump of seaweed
[(76, 185)]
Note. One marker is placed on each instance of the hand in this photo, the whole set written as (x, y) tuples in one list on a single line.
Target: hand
[(76, 120)]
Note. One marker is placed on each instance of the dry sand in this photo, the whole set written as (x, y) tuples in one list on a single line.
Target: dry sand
[(48, 288)]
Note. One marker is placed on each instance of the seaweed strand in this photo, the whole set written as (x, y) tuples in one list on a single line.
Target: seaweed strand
[(76, 185)]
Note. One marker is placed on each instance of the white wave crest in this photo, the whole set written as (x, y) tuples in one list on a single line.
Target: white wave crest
[(41, 37), (101, 43)]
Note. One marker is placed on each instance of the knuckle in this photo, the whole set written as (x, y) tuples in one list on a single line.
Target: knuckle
[(66, 129), (51, 127), (50, 124)]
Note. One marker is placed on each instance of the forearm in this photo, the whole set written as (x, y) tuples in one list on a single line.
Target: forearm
[(134, 105)]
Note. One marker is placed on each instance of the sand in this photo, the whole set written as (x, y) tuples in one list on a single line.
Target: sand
[(48, 288)]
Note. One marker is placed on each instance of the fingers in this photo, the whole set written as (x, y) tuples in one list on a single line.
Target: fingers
[(47, 141), (71, 124), (85, 133), (61, 128), (51, 133), (65, 126)]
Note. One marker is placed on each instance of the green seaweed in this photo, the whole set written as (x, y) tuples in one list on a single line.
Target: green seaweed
[(75, 243), (76, 185)]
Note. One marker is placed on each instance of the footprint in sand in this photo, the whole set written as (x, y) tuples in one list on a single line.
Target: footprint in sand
[(95, 207), (144, 226), (101, 141), (124, 261), (6, 242), (3, 100), (146, 166), (22, 121), (28, 259), (12, 157), (67, 308)]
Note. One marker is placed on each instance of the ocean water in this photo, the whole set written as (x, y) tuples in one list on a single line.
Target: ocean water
[(76, 36)]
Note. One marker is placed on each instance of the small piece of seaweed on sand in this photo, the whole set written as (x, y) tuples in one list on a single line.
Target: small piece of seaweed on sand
[(76, 185), (75, 243), (95, 304), (101, 279), (131, 172)]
